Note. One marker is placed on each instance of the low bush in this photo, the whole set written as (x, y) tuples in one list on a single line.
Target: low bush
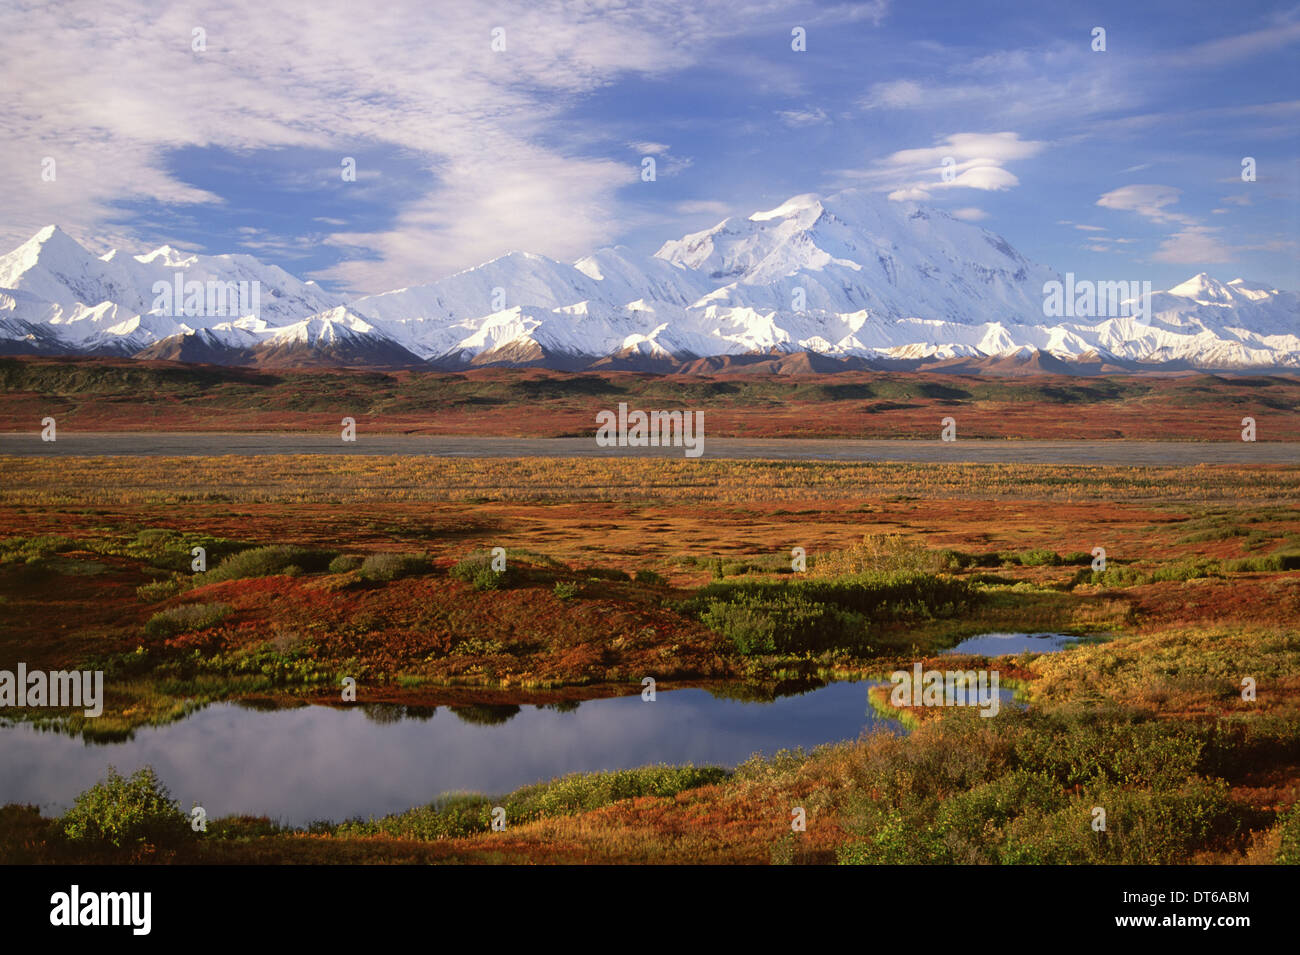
[(786, 623), (1271, 563), (1022, 787), (185, 618), (345, 563), (812, 615), (1288, 850), (466, 814), (476, 570), (159, 589), (386, 566), (123, 812), (268, 561)]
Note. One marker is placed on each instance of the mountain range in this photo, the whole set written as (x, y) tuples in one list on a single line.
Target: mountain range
[(817, 284)]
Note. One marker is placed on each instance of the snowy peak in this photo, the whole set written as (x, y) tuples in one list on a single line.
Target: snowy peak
[(185, 290), (849, 277), (326, 328), (1202, 288), (807, 206), (167, 257), (54, 267), (857, 252)]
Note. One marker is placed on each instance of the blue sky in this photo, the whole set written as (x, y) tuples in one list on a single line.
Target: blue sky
[(1117, 164)]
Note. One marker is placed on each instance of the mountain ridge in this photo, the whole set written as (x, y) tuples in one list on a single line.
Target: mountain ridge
[(850, 279)]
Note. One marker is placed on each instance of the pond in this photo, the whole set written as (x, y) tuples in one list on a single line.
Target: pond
[(997, 644), (306, 763), (317, 762)]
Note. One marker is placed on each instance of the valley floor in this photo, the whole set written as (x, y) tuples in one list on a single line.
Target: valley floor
[(382, 567)]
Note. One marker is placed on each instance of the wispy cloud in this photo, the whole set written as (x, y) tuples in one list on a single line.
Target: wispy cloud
[(802, 117), (958, 161), (1148, 201), (1242, 46), (691, 207), (111, 93), (1195, 245)]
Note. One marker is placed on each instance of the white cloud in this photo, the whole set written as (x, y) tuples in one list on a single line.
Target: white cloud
[(1195, 245), (900, 94), (988, 148), (1148, 201), (973, 160), (970, 214), (1229, 49), (913, 194), (1053, 82), (802, 117), (691, 207), (113, 90)]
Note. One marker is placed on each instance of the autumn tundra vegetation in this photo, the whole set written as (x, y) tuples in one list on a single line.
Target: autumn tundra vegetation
[(383, 569), (120, 394)]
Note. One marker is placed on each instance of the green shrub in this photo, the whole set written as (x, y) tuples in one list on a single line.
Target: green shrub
[(485, 578), (167, 549), (1190, 569), (1021, 788), (387, 566), (811, 615), (345, 563), (476, 570), (1115, 575), (1143, 827), (1123, 575), (759, 623), (33, 549), (898, 595), (649, 577), (125, 812), (1095, 749), (159, 589), (466, 814), (949, 560), (1288, 850), (185, 618), (1271, 563), (268, 561), (565, 590)]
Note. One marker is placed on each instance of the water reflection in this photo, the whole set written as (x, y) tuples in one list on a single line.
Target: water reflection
[(996, 644), (316, 762)]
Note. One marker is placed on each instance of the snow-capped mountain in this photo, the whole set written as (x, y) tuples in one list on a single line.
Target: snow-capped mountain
[(850, 277), (118, 303)]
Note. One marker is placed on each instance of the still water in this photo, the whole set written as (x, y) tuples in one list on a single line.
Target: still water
[(315, 762)]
